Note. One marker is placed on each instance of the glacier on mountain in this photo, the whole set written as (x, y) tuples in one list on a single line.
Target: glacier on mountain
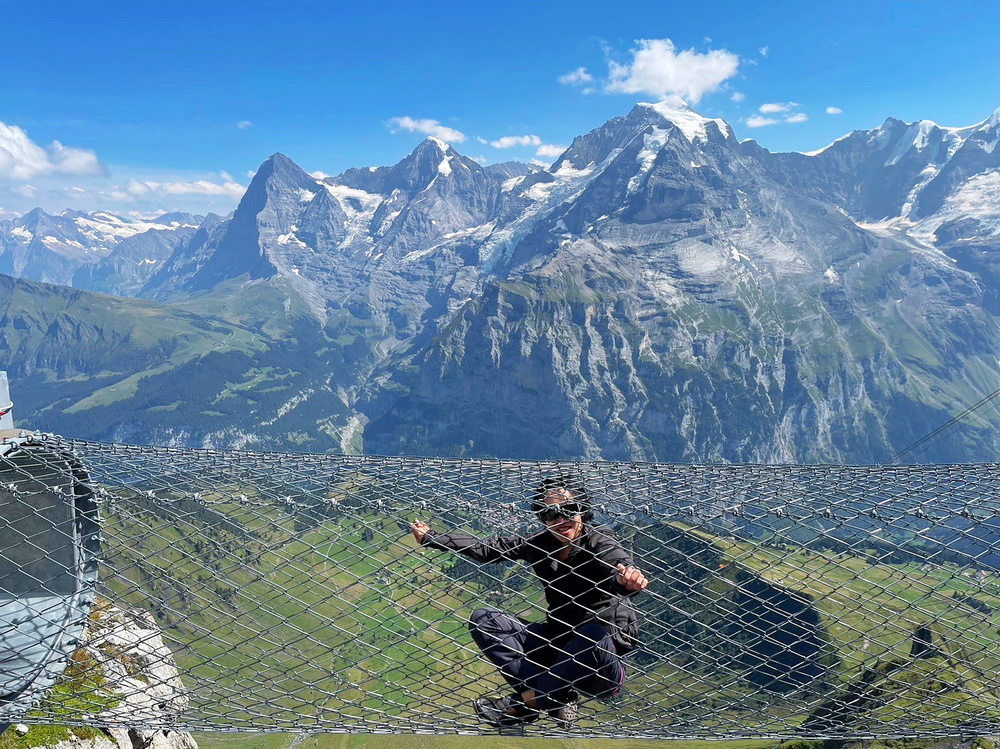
[(662, 291)]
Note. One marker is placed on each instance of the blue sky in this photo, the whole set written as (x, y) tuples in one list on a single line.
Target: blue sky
[(137, 107)]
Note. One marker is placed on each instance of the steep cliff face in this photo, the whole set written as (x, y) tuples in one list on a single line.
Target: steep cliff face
[(590, 372), (711, 313)]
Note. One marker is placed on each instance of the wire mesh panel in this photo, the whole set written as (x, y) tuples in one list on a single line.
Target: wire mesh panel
[(782, 600)]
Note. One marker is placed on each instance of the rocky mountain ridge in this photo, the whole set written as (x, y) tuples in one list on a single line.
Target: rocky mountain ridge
[(97, 251), (661, 292)]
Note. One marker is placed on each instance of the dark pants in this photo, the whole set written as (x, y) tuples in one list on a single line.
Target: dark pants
[(554, 665)]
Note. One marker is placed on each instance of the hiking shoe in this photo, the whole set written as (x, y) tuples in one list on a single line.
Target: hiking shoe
[(504, 711), (565, 715)]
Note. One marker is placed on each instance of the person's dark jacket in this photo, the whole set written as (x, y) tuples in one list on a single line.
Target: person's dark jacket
[(582, 588)]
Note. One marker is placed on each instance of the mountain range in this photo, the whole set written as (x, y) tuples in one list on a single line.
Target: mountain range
[(662, 292)]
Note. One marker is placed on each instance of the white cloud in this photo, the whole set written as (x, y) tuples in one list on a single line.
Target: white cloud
[(228, 187), (549, 150), (834, 110), (251, 173), (797, 117), (79, 162), (26, 191), (756, 120), (202, 187), (428, 127), (22, 159), (539, 162), (74, 191), (763, 51), (137, 188), (244, 124), (509, 141), (737, 96), (776, 108), (482, 140), (319, 175), (658, 69), (576, 77)]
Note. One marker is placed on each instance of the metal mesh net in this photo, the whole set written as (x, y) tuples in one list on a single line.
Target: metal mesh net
[(830, 601)]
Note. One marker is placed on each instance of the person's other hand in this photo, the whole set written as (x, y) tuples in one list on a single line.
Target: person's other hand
[(419, 529), (631, 578)]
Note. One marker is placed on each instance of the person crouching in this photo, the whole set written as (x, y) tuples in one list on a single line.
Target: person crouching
[(590, 624)]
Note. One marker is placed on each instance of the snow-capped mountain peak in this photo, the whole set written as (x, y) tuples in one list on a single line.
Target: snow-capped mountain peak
[(693, 125), (446, 151), (438, 142), (657, 284)]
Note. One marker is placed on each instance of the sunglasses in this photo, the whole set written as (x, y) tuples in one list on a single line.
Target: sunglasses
[(566, 511)]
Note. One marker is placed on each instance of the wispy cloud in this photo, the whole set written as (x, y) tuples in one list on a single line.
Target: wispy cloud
[(428, 127), (755, 120), (834, 110), (22, 159), (244, 124), (777, 107), (658, 69), (737, 96), (226, 187), (785, 109), (576, 77), (549, 150), (510, 141), (764, 50)]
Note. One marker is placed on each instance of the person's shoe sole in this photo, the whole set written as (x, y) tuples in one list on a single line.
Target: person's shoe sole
[(566, 715)]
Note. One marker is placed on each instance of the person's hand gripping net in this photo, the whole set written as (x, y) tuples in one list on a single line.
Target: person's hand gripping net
[(631, 578), (419, 529)]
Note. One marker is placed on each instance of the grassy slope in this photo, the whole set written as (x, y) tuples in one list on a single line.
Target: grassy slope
[(871, 611), (69, 350), (248, 362)]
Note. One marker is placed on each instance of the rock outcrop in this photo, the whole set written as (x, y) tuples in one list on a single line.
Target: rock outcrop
[(123, 663)]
